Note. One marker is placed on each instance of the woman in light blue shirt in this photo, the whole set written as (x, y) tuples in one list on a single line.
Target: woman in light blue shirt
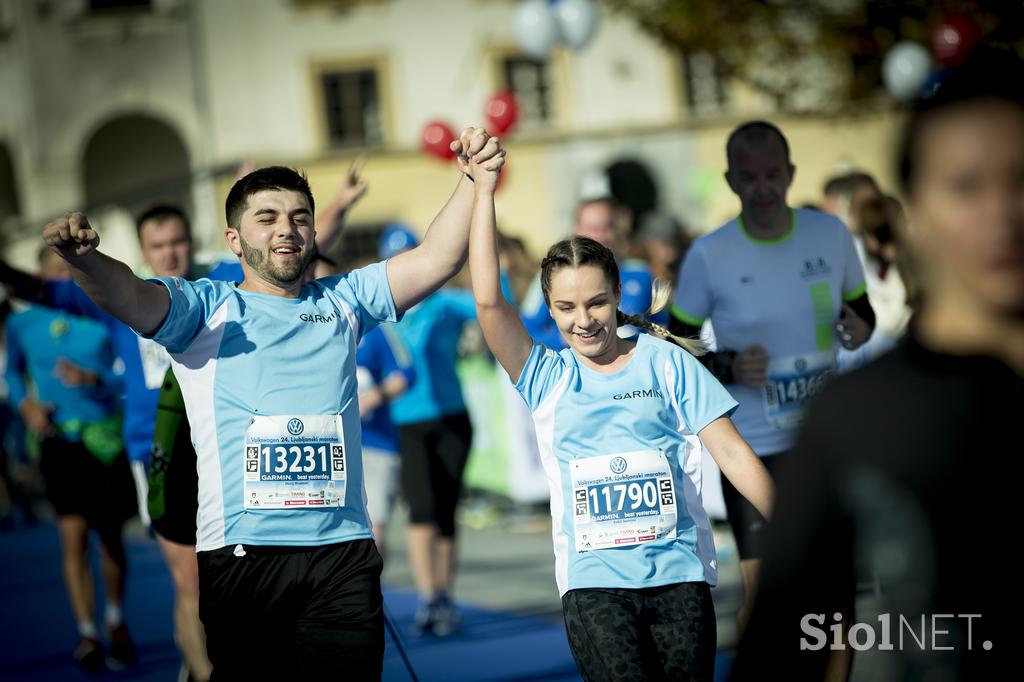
[(621, 425)]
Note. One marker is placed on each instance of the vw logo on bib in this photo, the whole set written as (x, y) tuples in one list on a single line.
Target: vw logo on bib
[(617, 465), (295, 426), (800, 365)]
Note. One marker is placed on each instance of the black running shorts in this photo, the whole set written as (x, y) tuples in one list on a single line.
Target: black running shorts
[(293, 613)]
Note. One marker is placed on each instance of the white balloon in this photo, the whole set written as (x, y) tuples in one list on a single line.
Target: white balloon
[(905, 69), (578, 20), (536, 28)]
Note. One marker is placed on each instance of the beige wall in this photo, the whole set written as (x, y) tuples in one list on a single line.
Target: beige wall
[(819, 149), (536, 200), (255, 96)]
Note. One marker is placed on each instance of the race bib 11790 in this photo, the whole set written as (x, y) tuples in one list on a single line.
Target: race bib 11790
[(622, 500)]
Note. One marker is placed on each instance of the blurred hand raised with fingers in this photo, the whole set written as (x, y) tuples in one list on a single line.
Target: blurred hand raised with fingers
[(71, 236), (352, 186)]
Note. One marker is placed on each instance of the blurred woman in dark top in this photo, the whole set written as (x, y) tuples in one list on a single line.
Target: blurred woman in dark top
[(908, 469)]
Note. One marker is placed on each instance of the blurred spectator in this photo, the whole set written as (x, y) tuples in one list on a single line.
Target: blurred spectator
[(384, 372), (872, 218), (71, 406), (832, 193), (663, 243), (434, 438), (16, 474), (607, 222), (517, 267), (906, 467)]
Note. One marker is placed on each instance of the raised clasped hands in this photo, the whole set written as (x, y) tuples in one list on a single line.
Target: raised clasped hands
[(479, 156)]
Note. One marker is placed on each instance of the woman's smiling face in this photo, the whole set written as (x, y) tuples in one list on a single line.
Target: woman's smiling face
[(584, 305)]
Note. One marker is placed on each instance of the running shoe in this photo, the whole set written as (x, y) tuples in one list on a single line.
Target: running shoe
[(446, 617), (122, 649), (423, 620), (89, 655)]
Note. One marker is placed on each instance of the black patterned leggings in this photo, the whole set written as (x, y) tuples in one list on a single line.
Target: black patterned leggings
[(656, 633)]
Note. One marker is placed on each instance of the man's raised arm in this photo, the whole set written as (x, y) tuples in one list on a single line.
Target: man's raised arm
[(419, 272), (108, 282)]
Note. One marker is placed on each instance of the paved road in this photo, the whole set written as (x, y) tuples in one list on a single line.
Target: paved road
[(506, 587), (505, 562)]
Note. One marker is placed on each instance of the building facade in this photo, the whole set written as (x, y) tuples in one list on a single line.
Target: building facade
[(112, 105)]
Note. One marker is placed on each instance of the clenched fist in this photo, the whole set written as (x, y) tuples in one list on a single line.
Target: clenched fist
[(71, 236)]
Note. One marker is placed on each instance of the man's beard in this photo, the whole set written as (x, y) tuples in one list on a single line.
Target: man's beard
[(283, 275)]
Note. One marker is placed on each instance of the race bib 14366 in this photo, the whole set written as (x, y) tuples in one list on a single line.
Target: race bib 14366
[(792, 383)]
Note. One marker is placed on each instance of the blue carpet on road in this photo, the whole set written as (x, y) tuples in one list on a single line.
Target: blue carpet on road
[(37, 631)]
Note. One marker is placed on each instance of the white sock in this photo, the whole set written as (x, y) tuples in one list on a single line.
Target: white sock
[(112, 615), (86, 628)]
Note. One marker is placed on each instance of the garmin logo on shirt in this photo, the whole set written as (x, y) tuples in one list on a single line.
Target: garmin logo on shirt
[(647, 393), (324, 319), (815, 267)]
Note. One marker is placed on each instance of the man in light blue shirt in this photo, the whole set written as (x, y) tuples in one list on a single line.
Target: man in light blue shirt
[(289, 575)]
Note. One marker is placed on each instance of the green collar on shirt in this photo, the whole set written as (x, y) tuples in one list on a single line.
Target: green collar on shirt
[(769, 242)]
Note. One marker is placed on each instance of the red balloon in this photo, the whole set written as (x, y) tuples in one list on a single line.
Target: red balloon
[(954, 39), (436, 140), (502, 112)]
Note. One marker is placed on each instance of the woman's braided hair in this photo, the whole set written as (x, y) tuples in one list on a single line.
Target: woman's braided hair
[(578, 251)]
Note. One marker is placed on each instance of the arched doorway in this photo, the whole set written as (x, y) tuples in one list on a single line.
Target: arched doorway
[(10, 206), (134, 161)]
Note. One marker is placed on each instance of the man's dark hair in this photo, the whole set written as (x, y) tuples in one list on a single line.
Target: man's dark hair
[(270, 178), (757, 132), (989, 74), (835, 185), (608, 199), (160, 213), (506, 241), (845, 185)]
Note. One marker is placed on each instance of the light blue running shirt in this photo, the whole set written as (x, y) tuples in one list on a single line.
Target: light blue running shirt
[(603, 440), (270, 391), (37, 339), (430, 332)]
